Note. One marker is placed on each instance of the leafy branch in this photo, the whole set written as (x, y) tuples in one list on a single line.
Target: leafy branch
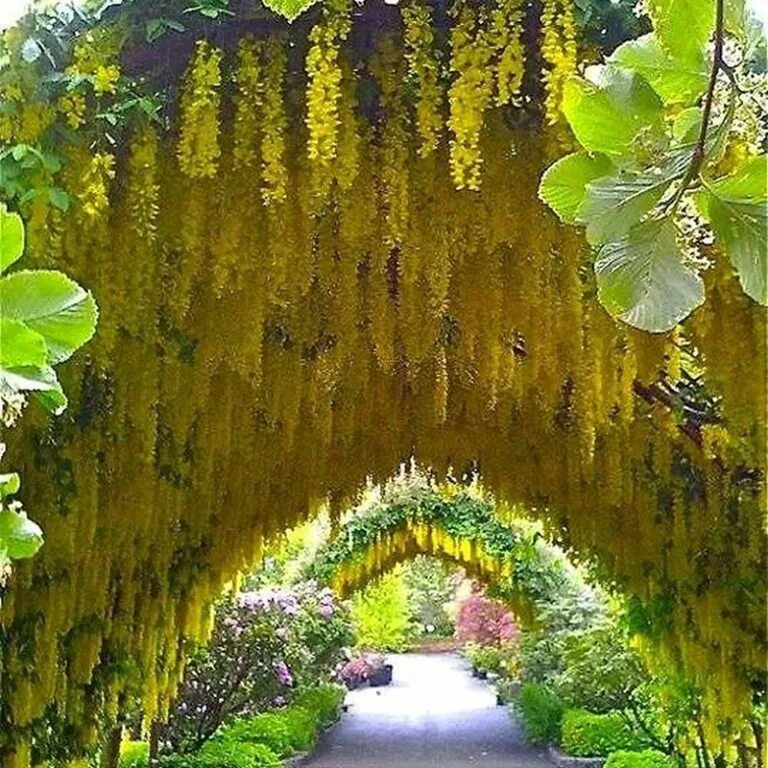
[(699, 152), (644, 122), (44, 318)]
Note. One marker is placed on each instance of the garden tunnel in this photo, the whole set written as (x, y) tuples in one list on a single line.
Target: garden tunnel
[(452, 524), (303, 284)]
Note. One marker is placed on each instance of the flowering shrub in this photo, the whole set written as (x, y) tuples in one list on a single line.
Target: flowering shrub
[(264, 643), (484, 621), (359, 668)]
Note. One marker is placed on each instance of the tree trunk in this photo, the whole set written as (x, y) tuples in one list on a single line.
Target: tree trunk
[(154, 740), (110, 750)]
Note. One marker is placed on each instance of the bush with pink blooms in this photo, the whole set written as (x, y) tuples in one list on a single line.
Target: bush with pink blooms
[(484, 621), (358, 670), (265, 644)]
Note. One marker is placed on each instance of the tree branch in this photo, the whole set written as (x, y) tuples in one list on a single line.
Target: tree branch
[(699, 151)]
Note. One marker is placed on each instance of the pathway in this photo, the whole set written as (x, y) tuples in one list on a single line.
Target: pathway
[(434, 715)]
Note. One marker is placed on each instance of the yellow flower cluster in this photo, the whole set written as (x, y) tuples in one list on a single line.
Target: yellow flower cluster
[(144, 190), (559, 51), (506, 30), (73, 106), (413, 538), (248, 101), (95, 59), (470, 94), (488, 59), (274, 124), (324, 72), (418, 42), (198, 149), (97, 178)]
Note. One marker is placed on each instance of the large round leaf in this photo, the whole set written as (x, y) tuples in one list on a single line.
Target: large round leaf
[(19, 536), (40, 380), (11, 238), (20, 345), (737, 209), (607, 113), (677, 80), (642, 278), (289, 9), (54, 306), (564, 183)]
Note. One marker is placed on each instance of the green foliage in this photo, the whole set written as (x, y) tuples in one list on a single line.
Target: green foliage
[(643, 280), (224, 754), (646, 758), (602, 673), (134, 754), (284, 731), (381, 614), (270, 728), (461, 515), (302, 727), (323, 702), (290, 9), (44, 318), (585, 734), (20, 537), (540, 712), (650, 153), (431, 586), (737, 211)]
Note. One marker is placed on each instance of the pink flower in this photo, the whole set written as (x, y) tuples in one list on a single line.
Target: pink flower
[(283, 674)]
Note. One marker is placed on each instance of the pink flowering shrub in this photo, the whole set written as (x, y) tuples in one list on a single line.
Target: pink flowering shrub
[(484, 621), (265, 643), (359, 668)]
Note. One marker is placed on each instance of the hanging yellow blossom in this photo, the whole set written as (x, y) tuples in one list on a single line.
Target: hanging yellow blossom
[(418, 39), (198, 149), (95, 58), (559, 51), (506, 30), (73, 106), (324, 71), (470, 95), (95, 194), (274, 123)]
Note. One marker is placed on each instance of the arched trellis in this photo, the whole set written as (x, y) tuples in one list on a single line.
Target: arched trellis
[(453, 524), (256, 357)]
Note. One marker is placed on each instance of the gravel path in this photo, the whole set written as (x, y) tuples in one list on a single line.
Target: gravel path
[(434, 715)]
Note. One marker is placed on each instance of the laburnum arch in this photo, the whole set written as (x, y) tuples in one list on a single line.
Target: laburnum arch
[(325, 256), (454, 523), (451, 524)]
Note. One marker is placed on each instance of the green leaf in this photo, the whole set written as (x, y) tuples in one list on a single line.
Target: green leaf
[(737, 210), (687, 124), (564, 183), (62, 312), (614, 204), (289, 9), (606, 115), (19, 536), (683, 26), (20, 345), (642, 278), (40, 380), (9, 484), (677, 80), (11, 238), (747, 183), (59, 198)]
